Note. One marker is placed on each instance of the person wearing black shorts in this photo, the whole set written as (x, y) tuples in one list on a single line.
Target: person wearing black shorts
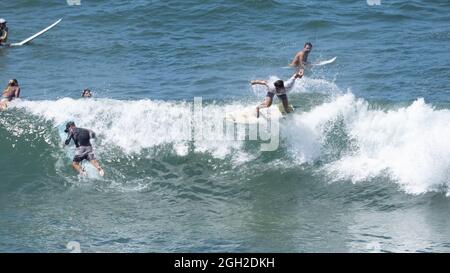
[(279, 88), (83, 150)]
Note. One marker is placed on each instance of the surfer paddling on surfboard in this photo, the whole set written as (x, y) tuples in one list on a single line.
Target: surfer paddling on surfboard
[(279, 88), (83, 150), (300, 60), (3, 31), (12, 91)]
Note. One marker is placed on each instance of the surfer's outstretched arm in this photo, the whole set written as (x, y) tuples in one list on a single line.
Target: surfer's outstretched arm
[(69, 137), (268, 101), (4, 36), (299, 74), (260, 82)]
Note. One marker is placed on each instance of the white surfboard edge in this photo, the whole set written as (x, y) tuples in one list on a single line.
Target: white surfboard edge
[(325, 62), (36, 35), (248, 114)]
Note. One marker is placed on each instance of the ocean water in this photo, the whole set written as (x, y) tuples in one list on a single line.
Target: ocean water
[(362, 165)]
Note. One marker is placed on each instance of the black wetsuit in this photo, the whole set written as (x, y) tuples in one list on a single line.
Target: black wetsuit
[(2, 31), (82, 138)]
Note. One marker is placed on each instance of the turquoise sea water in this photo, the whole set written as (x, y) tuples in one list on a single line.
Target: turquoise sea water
[(362, 165)]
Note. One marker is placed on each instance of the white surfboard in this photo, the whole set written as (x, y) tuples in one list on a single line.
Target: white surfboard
[(248, 114), (325, 62), (27, 40)]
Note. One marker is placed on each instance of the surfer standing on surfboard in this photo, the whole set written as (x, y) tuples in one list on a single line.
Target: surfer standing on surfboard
[(12, 91), (279, 88), (83, 150), (300, 60), (3, 31)]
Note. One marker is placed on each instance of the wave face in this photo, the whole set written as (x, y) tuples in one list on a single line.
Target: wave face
[(335, 147), (349, 138)]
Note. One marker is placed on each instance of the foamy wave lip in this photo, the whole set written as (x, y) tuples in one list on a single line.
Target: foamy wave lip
[(132, 125), (309, 85), (305, 133), (136, 125), (409, 144)]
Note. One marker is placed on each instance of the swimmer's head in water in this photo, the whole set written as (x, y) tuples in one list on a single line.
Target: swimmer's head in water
[(86, 93), (69, 125), (2, 21), (13, 82)]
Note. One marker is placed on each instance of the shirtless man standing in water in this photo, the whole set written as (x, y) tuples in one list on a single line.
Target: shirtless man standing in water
[(300, 60)]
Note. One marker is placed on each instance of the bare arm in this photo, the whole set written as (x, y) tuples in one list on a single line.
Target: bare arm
[(299, 74), (4, 36), (17, 93), (260, 82), (69, 137)]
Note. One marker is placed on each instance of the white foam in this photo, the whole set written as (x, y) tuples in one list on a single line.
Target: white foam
[(144, 124), (305, 131), (410, 143)]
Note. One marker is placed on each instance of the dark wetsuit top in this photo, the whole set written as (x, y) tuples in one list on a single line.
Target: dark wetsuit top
[(81, 137)]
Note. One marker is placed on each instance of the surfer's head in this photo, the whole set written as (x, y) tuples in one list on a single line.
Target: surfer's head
[(279, 85), (2, 23), (308, 47), (13, 82), (86, 93), (69, 125)]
